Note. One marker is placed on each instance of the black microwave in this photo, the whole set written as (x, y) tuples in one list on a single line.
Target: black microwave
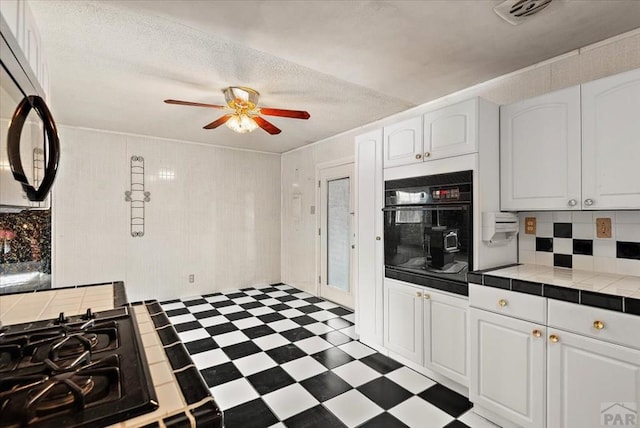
[(29, 143)]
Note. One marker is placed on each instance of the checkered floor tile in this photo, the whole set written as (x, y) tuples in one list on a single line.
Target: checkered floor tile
[(277, 356)]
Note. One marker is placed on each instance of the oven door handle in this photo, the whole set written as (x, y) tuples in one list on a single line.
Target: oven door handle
[(53, 147), (426, 208)]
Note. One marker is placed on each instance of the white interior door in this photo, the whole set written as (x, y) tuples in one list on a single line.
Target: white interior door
[(336, 234)]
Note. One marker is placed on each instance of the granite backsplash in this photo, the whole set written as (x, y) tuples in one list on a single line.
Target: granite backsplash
[(25, 242)]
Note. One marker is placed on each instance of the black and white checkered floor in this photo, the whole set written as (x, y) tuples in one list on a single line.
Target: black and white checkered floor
[(277, 356)]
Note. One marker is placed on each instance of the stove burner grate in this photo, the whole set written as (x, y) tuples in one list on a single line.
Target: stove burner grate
[(28, 400)]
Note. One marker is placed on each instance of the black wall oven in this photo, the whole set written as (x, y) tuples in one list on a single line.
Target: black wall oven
[(428, 228)]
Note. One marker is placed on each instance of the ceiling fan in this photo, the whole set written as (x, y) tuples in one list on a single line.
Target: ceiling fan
[(244, 113)]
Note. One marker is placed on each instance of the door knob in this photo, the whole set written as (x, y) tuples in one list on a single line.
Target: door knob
[(588, 202)]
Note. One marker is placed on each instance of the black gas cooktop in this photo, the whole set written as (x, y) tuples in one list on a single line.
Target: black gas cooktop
[(74, 371)]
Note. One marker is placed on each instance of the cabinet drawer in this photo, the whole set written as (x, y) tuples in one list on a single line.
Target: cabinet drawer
[(614, 326), (505, 302)]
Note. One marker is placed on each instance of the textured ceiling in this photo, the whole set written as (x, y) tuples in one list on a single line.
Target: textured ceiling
[(346, 62)]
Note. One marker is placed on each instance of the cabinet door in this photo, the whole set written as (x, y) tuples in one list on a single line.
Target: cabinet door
[(611, 142), (369, 247), (508, 367), (445, 335), (32, 45), (13, 13), (540, 152), (403, 143), (403, 320), (591, 383), (451, 131)]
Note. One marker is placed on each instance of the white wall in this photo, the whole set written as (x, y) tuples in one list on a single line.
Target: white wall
[(300, 233), (609, 57), (214, 212)]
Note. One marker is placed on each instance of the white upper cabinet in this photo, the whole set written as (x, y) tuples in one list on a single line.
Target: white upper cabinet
[(611, 142), (403, 142), (451, 131), (573, 149), (540, 152), (22, 25)]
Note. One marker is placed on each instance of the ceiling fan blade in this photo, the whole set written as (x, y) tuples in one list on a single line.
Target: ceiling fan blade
[(218, 122), (267, 126), (294, 114), (189, 103)]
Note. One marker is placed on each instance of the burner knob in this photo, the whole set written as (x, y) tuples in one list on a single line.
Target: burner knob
[(62, 319), (88, 315)]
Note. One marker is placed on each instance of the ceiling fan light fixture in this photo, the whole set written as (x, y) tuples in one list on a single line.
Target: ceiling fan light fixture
[(241, 123), (241, 97)]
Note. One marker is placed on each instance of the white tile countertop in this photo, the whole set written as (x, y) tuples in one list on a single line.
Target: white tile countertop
[(46, 304), (606, 283), (603, 290)]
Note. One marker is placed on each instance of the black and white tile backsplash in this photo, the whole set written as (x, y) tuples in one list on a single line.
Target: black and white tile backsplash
[(568, 239)]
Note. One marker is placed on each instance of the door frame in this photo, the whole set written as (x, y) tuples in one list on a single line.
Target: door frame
[(318, 198)]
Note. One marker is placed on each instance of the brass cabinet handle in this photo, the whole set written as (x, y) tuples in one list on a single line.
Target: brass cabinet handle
[(554, 338), (418, 156), (418, 294), (536, 333), (427, 296), (572, 202), (427, 154), (502, 303), (598, 325), (588, 202)]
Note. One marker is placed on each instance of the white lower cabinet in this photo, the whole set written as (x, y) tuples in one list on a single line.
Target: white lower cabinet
[(428, 327), (403, 319), (446, 344), (560, 371), (508, 367), (591, 383)]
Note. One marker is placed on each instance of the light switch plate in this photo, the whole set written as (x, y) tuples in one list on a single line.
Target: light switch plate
[(530, 225), (603, 227)]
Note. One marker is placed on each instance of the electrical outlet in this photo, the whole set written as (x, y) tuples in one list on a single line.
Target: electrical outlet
[(530, 225), (603, 227), (192, 278)]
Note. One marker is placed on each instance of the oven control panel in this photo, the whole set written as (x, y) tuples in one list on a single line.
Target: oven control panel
[(452, 193)]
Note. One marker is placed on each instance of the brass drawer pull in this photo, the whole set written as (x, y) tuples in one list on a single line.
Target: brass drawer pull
[(554, 338), (418, 294), (427, 296), (536, 333), (502, 303), (598, 325)]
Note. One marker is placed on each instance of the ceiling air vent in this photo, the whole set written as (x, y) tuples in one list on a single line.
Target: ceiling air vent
[(515, 12)]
